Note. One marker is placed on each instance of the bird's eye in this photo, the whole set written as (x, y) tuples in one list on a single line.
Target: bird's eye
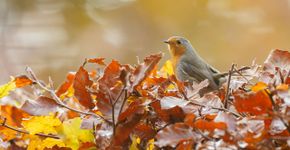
[(178, 42)]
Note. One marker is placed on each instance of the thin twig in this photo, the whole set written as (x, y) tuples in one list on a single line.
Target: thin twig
[(287, 75), (120, 94), (163, 127), (203, 135), (239, 70), (228, 87), (113, 111), (285, 124), (123, 103), (217, 108), (58, 100), (26, 132), (271, 99)]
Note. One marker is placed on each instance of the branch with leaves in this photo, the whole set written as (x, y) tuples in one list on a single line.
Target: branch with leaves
[(119, 106)]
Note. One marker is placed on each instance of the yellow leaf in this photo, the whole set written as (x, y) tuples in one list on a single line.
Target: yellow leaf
[(73, 135), (69, 93), (41, 124), (167, 69), (150, 145), (282, 87), (50, 142), (36, 143), (259, 86), (135, 142), (6, 88)]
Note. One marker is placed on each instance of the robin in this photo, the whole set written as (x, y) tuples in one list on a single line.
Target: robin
[(189, 66)]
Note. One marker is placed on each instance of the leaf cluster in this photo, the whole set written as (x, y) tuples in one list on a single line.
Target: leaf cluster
[(117, 106)]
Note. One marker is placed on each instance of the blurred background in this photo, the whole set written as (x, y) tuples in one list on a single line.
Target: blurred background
[(55, 36)]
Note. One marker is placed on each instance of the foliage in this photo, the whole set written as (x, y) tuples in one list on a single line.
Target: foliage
[(118, 106)]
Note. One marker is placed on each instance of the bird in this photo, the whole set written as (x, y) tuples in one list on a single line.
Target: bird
[(189, 66)]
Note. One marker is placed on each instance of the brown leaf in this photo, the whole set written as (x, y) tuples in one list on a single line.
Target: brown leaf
[(80, 85), (135, 107), (99, 61), (21, 81), (110, 83), (41, 106), (104, 105), (171, 115), (144, 132), (253, 103), (144, 69), (124, 130), (112, 90), (172, 135)]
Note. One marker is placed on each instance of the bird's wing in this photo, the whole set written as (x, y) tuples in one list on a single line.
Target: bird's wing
[(200, 73), (213, 70)]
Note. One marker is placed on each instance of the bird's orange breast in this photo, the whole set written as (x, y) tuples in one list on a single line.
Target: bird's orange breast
[(176, 53)]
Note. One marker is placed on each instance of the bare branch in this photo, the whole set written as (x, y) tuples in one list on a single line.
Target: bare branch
[(228, 86)]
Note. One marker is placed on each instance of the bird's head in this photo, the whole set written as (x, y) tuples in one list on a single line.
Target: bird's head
[(178, 45)]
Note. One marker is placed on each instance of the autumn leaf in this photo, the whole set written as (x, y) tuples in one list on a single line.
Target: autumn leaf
[(144, 132), (253, 103), (13, 115), (277, 59), (72, 135), (209, 125), (80, 85), (259, 86), (128, 120), (64, 87), (144, 69), (39, 144), (172, 135), (167, 69), (111, 94), (99, 61), (22, 80), (7, 88), (42, 124), (41, 106)]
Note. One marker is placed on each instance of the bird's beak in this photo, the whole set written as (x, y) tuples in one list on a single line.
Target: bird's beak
[(165, 41)]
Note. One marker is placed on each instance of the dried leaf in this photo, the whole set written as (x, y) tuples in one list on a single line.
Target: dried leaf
[(278, 59), (144, 132), (80, 84), (172, 135), (66, 85), (41, 106), (99, 61), (21, 81), (143, 70), (13, 115)]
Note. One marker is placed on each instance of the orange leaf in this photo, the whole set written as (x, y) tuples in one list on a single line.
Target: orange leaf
[(209, 125), (99, 61), (253, 103), (22, 80)]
